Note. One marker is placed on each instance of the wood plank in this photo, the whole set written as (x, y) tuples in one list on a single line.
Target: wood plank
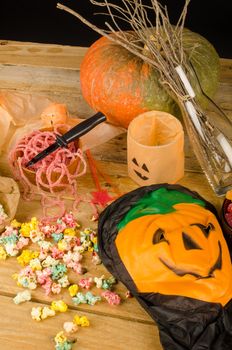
[(41, 55), (18, 331), (118, 173), (223, 96), (59, 84), (226, 70)]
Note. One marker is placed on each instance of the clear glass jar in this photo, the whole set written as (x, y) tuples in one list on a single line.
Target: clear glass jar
[(210, 133)]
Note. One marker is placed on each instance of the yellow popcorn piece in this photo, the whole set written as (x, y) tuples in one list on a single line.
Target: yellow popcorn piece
[(81, 321), (15, 224), (94, 240), (62, 245), (60, 338), (26, 256), (25, 231), (59, 305), (87, 231), (3, 254), (70, 232), (27, 227), (84, 322), (73, 289)]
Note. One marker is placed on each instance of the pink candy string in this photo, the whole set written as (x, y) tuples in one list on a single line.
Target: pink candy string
[(51, 173)]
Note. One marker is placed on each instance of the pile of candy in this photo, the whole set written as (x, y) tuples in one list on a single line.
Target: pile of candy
[(60, 248), (3, 215)]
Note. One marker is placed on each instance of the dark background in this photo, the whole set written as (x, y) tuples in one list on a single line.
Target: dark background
[(40, 21)]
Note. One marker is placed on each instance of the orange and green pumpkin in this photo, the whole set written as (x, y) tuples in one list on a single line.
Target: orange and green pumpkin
[(121, 86)]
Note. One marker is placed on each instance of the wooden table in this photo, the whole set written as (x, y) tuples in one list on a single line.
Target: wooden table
[(53, 71)]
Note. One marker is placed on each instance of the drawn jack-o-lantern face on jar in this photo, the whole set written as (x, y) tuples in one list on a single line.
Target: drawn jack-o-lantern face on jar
[(175, 248), (143, 172), (155, 146)]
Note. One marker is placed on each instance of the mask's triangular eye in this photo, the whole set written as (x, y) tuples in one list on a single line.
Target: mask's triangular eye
[(205, 229), (158, 236), (189, 242), (208, 229)]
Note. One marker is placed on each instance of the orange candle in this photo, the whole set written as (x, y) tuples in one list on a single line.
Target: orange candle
[(55, 113)]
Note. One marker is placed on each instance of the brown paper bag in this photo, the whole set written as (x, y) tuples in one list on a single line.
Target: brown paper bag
[(9, 198), (155, 149)]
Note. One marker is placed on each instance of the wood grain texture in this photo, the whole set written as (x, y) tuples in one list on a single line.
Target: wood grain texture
[(105, 332), (41, 55)]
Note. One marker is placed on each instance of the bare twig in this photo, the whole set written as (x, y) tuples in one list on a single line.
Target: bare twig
[(116, 38), (159, 44)]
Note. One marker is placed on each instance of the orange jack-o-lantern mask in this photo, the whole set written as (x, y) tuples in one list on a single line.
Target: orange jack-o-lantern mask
[(170, 244)]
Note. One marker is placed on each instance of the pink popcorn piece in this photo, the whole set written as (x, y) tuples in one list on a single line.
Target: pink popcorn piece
[(43, 275), (86, 283), (22, 242), (69, 220), (56, 253), (47, 286), (111, 297)]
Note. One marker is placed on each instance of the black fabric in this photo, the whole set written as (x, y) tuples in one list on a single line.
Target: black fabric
[(184, 323)]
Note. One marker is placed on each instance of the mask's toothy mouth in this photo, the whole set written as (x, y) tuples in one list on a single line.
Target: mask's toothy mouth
[(181, 272)]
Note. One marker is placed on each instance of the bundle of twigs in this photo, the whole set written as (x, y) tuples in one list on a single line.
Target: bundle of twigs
[(160, 44)]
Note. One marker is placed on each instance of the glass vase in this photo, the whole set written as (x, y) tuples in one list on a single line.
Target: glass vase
[(209, 131)]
